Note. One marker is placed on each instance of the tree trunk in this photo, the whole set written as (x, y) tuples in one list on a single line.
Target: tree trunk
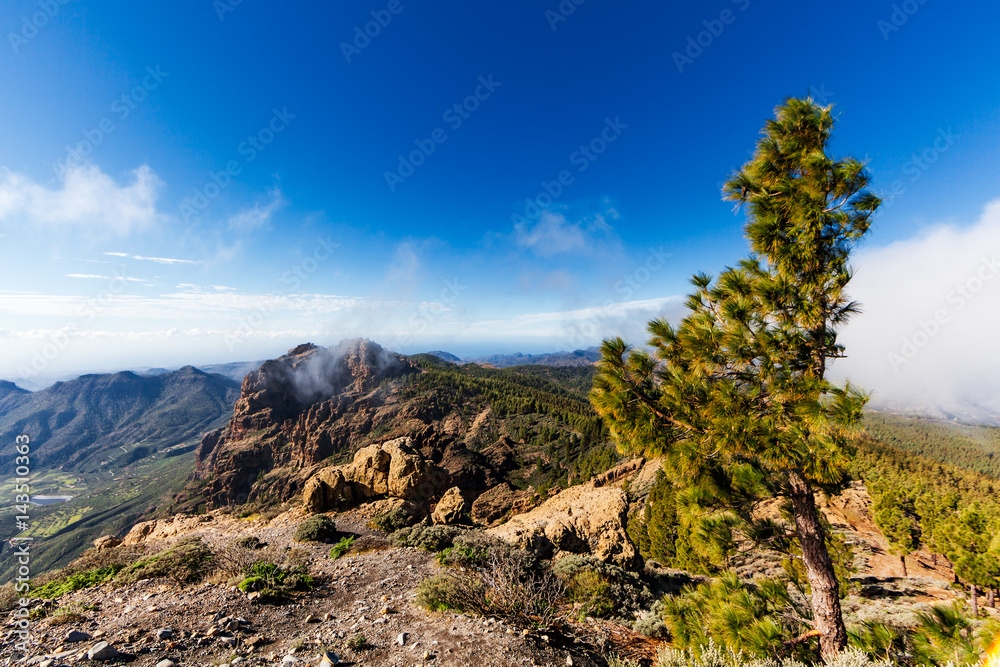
[(827, 615), (974, 599), (902, 560), (991, 599)]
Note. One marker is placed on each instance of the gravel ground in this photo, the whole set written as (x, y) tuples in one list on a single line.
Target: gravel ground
[(369, 595)]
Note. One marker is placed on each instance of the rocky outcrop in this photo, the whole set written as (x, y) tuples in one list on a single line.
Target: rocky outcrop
[(581, 519), (163, 529), (619, 472), (499, 502), (289, 414), (450, 508), (392, 469)]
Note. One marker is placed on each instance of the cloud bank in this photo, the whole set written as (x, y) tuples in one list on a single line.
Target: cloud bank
[(931, 316)]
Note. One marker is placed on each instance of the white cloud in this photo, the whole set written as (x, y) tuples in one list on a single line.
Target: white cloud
[(158, 260), (86, 197), (259, 216), (89, 276), (551, 235), (931, 313)]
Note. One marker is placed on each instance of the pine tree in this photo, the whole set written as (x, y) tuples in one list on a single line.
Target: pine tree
[(736, 397)]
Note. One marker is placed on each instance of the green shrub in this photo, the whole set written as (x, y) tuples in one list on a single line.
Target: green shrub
[(651, 623), (188, 560), (508, 583), (431, 538), (759, 617), (72, 613), (593, 592), (75, 582), (9, 597), (342, 547), (358, 643), (319, 528), (603, 589), (471, 548), (274, 579), (437, 593), (393, 520), (944, 634)]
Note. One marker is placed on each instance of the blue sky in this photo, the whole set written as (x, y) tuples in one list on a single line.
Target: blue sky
[(212, 181)]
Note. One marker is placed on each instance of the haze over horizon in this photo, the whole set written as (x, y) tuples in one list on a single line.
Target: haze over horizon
[(479, 180)]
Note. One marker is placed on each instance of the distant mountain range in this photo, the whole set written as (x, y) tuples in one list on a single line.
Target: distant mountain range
[(103, 420), (586, 357)]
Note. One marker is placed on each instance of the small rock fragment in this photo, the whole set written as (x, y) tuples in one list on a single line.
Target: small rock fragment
[(76, 636), (165, 633), (401, 639), (102, 651), (166, 663)]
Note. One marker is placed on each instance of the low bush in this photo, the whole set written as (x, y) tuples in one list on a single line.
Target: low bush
[(393, 520), (9, 597), (651, 623), (73, 613), (602, 589), (186, 561), (712, 655), (431, 538), (437, 593), (274, 579), (507, 583), (471, 548), (342, 547), (358, 643), (84, 568), (319, 528), (758, 618), (75, 582)]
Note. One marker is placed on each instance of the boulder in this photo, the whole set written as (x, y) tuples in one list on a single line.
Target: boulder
[(106, 542), (74, 636), (102, 651), (582, 519), (450, 508), (496, 504), (391, 469)]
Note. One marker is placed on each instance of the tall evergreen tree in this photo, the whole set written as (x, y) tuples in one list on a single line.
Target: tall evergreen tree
[(736, 397)]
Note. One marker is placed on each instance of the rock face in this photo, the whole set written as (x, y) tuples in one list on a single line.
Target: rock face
[(580, 519), (288, 414), (498, 503), (392, 469), (164, 529), (450, 508)]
